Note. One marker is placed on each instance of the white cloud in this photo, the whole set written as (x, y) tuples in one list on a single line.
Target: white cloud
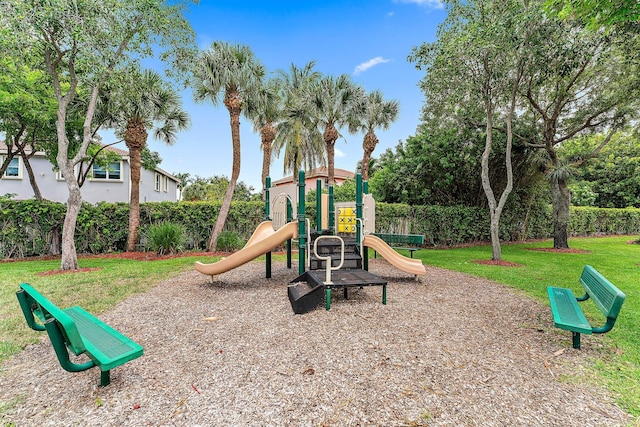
[(339, 153), (370, 63), (432, 4)]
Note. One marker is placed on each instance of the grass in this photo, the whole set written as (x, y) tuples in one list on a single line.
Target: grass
[(95, 291), (617, 368)]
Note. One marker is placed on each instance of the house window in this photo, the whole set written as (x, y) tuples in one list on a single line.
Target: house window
[(156, 185), (112, 172), (165, 184), (14, 170)]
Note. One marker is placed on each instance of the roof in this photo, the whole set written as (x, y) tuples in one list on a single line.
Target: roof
[(320, 172)]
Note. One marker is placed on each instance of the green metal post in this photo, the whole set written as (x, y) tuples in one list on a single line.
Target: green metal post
[(365, 250), (302, 233), (319, 206), (332, 214), (289, 219), (358, 206), (267, 215)]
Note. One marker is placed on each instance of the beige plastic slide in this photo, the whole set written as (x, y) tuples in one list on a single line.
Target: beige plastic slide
[(410, 265), (264, 239)]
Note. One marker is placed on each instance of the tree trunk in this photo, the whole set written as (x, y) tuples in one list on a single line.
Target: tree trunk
[(330, 136), (74, 202), (136, 139), (368, 145), (234, 112), (32, 179), (561, 200), (134, 200), (268, 135)]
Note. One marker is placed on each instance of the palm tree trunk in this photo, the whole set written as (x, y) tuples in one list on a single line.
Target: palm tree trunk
[(268, 135), (235, 173), (368, 145), (330, 136), (135, 138), (134, 200)]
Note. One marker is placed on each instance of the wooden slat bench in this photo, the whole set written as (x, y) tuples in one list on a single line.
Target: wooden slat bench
[(399, 241), (567, 313), (74, 329)]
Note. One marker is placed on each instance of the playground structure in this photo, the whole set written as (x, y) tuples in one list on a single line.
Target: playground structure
[(326, 260)]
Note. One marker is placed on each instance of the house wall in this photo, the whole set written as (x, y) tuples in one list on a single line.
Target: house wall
[(148, 191), (93, 191)]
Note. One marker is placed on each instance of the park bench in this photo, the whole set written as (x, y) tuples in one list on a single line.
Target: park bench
[(399, 241), (568, 315), (75, 330)]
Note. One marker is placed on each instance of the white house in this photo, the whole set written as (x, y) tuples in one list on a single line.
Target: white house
[(112, 184)]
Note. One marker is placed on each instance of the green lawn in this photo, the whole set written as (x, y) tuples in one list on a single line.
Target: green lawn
[(95, 291), (614, 257), (618, 369)]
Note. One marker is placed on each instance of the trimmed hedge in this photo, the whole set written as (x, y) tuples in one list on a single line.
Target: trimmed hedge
[(32, 228)]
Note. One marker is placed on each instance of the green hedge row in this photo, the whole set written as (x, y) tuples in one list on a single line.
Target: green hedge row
[(32, 228)]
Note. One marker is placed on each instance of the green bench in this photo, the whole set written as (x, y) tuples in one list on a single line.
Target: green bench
[(75, 330), (399, 241), (568, 315)]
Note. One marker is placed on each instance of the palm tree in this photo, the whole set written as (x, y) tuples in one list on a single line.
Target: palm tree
[(141, 103), (297, 132), (234, 72), (264, 111), (334, 101), (375, 113)]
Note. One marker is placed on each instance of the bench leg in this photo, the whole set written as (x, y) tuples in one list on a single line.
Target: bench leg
[(59, 346), (576, 339), (105, 378), (384, 294), (346, 296), (327, 297)]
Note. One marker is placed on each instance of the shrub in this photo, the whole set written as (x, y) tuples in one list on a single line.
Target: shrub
[(165, 237), (229, 241)]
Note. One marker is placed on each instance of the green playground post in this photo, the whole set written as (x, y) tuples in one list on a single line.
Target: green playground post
[(319, 206), (267, 215), (365, 255), (302, 234), (289, 219), (358, 207)]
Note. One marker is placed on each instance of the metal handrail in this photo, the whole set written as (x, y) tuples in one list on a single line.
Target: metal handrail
[(327, 259)]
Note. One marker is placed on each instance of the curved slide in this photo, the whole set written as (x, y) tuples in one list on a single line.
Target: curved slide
[(410, 265), (264, 239)]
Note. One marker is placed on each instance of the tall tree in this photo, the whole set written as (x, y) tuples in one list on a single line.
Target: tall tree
[(297, 133), (137, 102), (81, 44), (230, 71), (579, 81), (265, 110), (375, 113), (486, 74), (334, 101)]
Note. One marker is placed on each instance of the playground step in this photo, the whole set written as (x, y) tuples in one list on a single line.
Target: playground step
[(351, 261), (304, 296), (333, 246)]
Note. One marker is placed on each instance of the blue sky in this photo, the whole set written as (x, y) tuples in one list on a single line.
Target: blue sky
[(369, 40)]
